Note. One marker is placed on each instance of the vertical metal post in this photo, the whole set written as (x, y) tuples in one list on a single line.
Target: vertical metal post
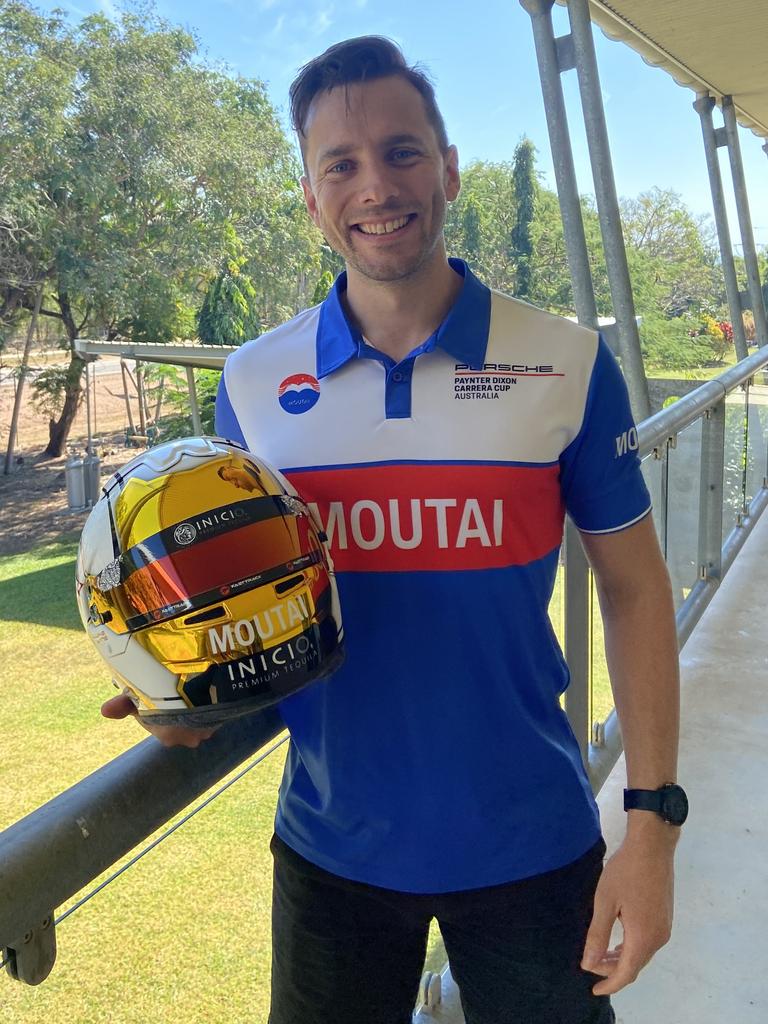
[(703, 105), (89, 446), (711, 493), (197, 425), (140, 392), (745, 451), (608, 207), (745, 221), (126, 374), (551, 62), (577, 633)]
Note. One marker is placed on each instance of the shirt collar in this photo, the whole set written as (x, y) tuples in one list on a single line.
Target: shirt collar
[(463, 333)]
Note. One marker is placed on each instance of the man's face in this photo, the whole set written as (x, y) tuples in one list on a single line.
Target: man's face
[(377, 182)]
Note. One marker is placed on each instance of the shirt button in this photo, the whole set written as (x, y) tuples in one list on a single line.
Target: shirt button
[(397, 377)]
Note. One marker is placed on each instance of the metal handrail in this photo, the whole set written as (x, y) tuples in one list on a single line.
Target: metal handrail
[(654, 434), (57, 849), (686, 410)]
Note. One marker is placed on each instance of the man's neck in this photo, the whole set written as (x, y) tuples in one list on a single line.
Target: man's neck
[(397, 316)]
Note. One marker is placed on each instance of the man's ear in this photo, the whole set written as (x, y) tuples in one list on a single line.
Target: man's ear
[(452, 176), (309, 198)]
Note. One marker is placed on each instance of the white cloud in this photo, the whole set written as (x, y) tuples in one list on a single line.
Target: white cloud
[(324, 20)]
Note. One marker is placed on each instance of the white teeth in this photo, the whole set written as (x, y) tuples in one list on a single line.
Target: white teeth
[(383, 229)]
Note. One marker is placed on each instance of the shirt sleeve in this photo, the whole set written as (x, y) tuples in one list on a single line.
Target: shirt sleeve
[(600, 476), (225, 420)]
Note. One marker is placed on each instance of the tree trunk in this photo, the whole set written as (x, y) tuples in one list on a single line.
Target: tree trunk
[(58, 430)]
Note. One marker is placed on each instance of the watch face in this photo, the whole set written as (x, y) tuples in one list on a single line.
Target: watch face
[(675, 805)]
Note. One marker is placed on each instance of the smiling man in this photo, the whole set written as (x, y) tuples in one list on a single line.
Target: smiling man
[(435, 775)]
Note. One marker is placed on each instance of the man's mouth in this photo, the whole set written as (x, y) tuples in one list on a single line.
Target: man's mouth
[(387, 227)]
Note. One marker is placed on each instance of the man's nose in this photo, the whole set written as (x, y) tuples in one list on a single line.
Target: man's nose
[(378, 183)]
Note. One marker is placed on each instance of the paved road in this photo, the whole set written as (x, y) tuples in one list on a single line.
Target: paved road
[(103, 368)]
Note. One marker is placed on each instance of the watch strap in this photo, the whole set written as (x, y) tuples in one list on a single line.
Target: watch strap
[(643, 800)]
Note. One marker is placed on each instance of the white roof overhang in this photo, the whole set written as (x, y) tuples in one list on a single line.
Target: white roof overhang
[(718, 47), (210, 357)]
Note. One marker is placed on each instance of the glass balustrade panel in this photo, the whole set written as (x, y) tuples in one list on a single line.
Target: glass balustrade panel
[(601, 696), (654, 472), (683, 502), (757, 438), (734, 461)]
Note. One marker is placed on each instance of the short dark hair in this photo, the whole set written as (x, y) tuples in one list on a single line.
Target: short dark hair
[(362, 59)]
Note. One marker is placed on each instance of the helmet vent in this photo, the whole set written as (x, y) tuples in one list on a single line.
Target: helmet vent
[(285, 585), (206, 616)]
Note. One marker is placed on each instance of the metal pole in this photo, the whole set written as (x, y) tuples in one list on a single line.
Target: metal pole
[(745, 221), (19, 390), (703, 105), (95, 424), (140, 393), (577, 635), (88, 409), (608, 207), (562, 156), (126, 373), (711, 493), (197, 425)]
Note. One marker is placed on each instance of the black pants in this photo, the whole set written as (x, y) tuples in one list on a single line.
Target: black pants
[(343, 952)]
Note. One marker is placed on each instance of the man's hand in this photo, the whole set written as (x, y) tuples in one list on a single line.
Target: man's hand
[(637, 887), (169, 735)]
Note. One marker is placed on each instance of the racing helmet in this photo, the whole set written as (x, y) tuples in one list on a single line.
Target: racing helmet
[(206, 585)]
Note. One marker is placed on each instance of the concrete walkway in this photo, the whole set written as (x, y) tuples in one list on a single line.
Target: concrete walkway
[(715, 968)]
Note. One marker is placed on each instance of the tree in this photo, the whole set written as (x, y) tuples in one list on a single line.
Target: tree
[(229, 314), (151, 160), (673, 250), (479, 224), (524, 180), (37, 80)]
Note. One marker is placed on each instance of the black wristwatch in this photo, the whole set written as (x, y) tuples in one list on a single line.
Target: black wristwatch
[(669, 802)]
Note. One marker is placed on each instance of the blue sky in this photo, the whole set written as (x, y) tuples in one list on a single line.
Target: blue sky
[(482, 58)]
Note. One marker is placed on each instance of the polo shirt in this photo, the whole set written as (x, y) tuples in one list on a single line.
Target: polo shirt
[(438, 757)]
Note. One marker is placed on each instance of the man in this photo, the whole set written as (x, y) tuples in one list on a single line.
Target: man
[(441, 431)]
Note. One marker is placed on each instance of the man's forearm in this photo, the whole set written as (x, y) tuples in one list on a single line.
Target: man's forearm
[(641, 650)]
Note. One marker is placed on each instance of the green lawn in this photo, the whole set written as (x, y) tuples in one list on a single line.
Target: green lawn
[(184, 935), (701, 373)]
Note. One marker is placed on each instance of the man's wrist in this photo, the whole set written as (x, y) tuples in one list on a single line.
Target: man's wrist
[(647, 827)]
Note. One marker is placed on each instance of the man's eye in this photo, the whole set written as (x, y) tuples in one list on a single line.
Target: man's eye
[(340, 167), (404, 154)]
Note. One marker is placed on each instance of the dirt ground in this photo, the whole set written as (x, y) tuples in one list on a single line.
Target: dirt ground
[(33, 497)]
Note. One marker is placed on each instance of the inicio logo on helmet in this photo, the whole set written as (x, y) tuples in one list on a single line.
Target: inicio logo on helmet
[(184, 533)]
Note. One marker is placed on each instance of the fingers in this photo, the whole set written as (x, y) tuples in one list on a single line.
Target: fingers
[(118, 707), (622, 971), (178, 736), (169, 735), (599, 934)]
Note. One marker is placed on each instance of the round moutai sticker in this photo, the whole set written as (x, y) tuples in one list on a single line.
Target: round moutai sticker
[(298, 393)]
